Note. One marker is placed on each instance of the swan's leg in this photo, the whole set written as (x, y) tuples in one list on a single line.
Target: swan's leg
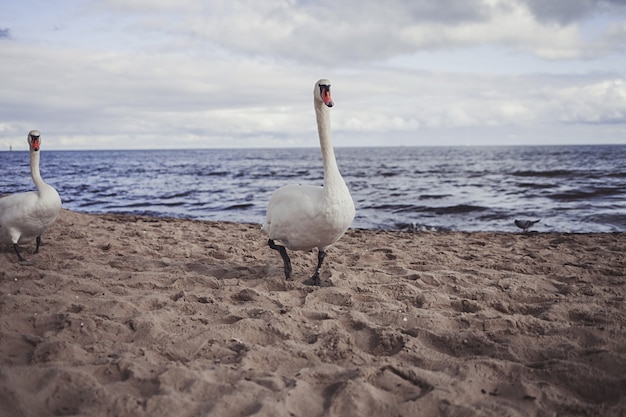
[(316, 276), (17, 251), (283, 254), (38, 243)]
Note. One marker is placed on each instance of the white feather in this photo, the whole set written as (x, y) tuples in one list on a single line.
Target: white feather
[(303, 217), (25, 216)]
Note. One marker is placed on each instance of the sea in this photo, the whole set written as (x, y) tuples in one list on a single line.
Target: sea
[(572, 189)]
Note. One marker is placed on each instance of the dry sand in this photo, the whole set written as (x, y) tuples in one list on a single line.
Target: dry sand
[(136, 316)]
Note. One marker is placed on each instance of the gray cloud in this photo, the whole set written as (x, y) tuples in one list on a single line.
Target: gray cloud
[(146, 74), (332, 33), (568, 11)]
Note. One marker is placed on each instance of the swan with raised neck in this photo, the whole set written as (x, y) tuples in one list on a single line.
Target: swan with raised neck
[(304, 217), (25, 216)]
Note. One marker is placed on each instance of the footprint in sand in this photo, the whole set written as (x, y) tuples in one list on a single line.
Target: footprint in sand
[(377, 342)]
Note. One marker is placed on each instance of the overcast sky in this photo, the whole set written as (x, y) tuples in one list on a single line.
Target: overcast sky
[(118, 74)]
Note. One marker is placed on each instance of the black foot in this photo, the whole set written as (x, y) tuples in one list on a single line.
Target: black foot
[(22, 261), (38, 243), (17, 251), (315, 279), (283, 254)]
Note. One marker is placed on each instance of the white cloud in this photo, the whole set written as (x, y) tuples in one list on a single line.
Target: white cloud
[(240, 73), (330, 33), (601, 102)]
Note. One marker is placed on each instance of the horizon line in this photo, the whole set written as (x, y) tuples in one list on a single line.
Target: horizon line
[(317, 147)]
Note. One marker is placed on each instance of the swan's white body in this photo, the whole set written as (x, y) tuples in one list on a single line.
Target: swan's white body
[(304, 217), (25, 216)]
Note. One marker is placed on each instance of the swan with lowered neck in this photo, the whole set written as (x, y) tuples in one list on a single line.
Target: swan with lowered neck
[(25, 216), (304, 217)]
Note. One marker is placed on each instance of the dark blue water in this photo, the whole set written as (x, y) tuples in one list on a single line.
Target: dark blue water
[(570, 188)]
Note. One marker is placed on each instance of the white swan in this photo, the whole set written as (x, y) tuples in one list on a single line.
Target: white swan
[(25, 216), (303, 217)]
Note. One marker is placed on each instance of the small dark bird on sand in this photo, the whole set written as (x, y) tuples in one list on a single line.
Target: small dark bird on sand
[(525, 224)]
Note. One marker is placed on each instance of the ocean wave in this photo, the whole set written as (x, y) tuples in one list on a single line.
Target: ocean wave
[(412, 208), (243, 206), (548, 173), (434, 196), (589, 194), (456, 209), (418, 227), (536, 185), (571, 188), (182, 194)]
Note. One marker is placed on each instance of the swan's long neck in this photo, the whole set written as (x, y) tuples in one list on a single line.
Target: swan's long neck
[(34, 170), (332, 176)]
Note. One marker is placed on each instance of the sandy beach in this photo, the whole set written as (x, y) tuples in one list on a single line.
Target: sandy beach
[(137, 316)]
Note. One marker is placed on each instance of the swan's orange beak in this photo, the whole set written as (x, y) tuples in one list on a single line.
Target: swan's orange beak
[(326, 97), (35, 144)]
